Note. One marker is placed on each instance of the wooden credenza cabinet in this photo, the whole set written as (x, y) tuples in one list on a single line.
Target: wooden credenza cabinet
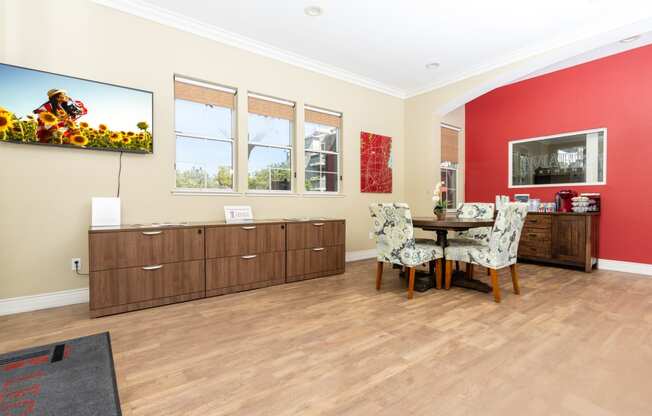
[(570, 239), (137, 267)]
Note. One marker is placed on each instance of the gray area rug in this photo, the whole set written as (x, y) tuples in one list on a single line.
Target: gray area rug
[(74, 377)]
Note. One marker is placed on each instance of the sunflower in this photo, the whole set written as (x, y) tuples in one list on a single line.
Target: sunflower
[(102, 127), (6, 121), (3, 111), (48, 118), (83, 125), (115, 137), (142, 125), (130, 133), (126, 139), (78, 140)]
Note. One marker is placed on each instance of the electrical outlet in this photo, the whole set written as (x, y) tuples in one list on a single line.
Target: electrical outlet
[(76, 264)]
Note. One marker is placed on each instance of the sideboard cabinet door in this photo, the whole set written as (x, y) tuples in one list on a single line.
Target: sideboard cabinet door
[(569, 238)]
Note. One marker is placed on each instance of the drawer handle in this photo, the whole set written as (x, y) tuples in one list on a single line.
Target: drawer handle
[(251, 227), (152, 232), (317, 224), (318, 249), (252, 256), (159, 266)]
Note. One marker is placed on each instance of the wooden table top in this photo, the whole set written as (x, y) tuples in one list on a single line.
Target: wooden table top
[(450, 223)]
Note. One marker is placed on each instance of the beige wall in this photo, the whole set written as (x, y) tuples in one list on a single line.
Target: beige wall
[(45, 192)]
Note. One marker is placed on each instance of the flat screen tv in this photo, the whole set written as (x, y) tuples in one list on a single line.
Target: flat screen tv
[(42, 108)]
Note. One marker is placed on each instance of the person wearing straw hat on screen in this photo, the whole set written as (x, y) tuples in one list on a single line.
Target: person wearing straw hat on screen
[(56, 117)]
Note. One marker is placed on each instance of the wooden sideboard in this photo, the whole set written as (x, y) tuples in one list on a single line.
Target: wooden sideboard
[(569, 239), (135, 267)]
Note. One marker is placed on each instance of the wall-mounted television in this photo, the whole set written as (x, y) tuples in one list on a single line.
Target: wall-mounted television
[(43, 108)]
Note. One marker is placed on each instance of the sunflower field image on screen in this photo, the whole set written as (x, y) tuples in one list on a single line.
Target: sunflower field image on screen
[(42, 108)]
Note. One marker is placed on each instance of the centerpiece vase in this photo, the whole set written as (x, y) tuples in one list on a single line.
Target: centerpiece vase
[(439, 212)]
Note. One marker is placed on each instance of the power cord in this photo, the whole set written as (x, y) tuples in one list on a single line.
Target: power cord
[(77, 270), (119, 174)]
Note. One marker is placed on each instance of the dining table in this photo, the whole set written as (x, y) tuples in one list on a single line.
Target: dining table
[(452, 223)]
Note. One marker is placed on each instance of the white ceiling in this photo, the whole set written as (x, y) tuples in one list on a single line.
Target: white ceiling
[(385, 44)]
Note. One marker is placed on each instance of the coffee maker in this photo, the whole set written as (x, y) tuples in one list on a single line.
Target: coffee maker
[(563, 200)]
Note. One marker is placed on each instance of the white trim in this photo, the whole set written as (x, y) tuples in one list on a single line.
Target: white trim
[(322, 110), (450, 127), (43, 301), (272, 99), (583, 41), (625, 266), (510, 161), (203, 192), (185, 80), (360, 255)]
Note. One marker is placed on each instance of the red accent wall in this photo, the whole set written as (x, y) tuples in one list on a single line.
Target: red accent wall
[(613, 92)]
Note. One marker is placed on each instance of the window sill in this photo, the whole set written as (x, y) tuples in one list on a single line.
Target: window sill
[(323, 195), (204, 192), (271, 194)]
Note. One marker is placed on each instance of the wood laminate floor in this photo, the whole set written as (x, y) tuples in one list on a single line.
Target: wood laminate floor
[(571, 344)]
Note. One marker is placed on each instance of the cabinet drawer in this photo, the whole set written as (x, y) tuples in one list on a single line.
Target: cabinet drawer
[(535, 235), (240, 240), (314, 262), (315, 234), (139, 284), (113, 250), (244, 270), (538, 221), (538, 250)]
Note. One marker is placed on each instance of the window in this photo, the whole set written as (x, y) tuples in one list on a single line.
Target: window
[(271, 125), (204, 125), (577, 158), (449, 161), (322, 150)]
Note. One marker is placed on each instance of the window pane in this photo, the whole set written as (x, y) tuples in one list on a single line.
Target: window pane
[(321, 162), (203, 119), (204, 163), (269, 168), (322, 182), (269, 130), (319, 137), (577, 158)]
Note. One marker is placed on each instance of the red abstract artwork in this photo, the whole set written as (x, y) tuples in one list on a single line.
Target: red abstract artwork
[(375, 163)]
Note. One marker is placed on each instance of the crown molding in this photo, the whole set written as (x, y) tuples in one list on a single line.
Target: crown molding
[(186, 24), (583, 41), (559, 49)]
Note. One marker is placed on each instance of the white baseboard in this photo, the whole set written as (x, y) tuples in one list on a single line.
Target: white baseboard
[(43, 301), (625, 266), (360, 255)]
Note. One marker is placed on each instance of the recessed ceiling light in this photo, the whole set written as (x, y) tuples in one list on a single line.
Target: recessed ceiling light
[(313, 11), (630, 39), (432, 65)]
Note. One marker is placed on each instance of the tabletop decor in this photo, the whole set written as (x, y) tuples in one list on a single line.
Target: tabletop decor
[(439, 198)]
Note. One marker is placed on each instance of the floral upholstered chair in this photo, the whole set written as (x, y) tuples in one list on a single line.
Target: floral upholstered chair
[(482, 210), (501, 251), (395, 242)]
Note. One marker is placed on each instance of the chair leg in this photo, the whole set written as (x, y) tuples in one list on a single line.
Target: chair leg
[(379, 274), (488, 271), (517, 287), (449, 274), (469, 270), (438, 265), (495, 284), (411, 284)]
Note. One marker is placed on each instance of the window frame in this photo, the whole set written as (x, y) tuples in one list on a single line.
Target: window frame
[(338, 153), (510, 148), (233, 140), (291, 147), (455, 170)]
